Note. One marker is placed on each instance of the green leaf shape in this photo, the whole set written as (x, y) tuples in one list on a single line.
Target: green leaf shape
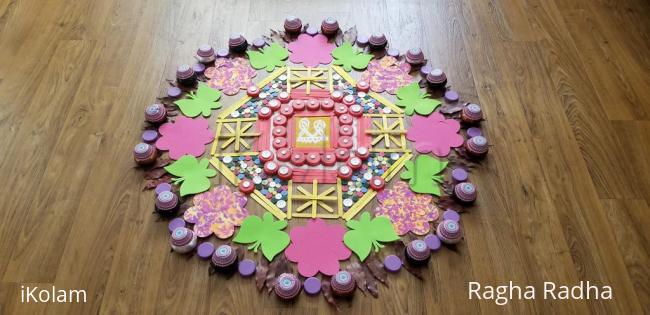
[(265, 233), (269, 58), (424, 175), (191, 174), (413, 100), (202, 102), (349, 57), (366, 234)]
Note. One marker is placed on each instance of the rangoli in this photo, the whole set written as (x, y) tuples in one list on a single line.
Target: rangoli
[(304, 137)]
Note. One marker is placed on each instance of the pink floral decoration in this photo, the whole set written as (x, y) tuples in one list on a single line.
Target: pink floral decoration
[(387, 74), (409, 212), (184, 136), (217, 211), (311, 50), (434, 134), (230, 75), (317, 247)]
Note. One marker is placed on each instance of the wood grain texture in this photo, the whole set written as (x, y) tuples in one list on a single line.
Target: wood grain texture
[(564, 194)]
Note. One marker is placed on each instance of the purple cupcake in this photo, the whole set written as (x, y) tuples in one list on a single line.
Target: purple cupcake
[(330, 26), (185, 76), (167, 203), (465, 193), (471, 114), (415, 57), (292, 25), (144, 154), (237, 43), (205, 54), (287, 286), (155, 113), (437, 79), (343, 284), (224, 259), (449, 232), (183, 240), (377, 41), (417, 253), (477, 147)]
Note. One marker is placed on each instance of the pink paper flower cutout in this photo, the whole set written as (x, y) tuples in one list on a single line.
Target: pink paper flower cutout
[(311, 50), (409, 212), (434, 134), (184, 136), (217, 211), (317, 247), (387, 74), (230, 75)]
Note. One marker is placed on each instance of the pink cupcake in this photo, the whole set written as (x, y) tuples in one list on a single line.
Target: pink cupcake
[(287, 286), (449, 232), (343, 284)]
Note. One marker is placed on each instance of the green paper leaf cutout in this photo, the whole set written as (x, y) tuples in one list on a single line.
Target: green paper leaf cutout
[(424, 175), (413, 100), (265, 233), (191, 174), (365, 234), (349, 57), (269, 58), (202, 102)]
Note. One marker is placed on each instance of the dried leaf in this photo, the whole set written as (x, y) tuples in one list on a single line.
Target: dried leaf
[(451, 109), (327, 293), (338, 39), (371, 282), (278, 37), (376, 267), (152, 183), (359, 275), (400, 248), (260, 273), (350, 36), (155, 173), (162, 161)]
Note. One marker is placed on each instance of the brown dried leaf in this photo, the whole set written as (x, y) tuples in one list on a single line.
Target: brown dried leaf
[(162, 161), (155, 173), (376, 267), (152, 183), (350, 36), (359, 275), (260, 273), (450, 109), (277, 37), (327, 293), (371, 282), (338, 39)]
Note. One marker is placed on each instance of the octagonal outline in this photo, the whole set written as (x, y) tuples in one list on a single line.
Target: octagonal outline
[(257, 195)]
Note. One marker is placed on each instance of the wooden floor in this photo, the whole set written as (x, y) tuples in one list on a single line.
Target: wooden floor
[(564, 195)]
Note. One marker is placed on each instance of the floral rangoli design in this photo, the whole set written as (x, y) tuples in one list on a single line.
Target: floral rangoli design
[(409, 211), (184, 136), (217, 211), (313, 147), (230, 75), (387, 74)]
